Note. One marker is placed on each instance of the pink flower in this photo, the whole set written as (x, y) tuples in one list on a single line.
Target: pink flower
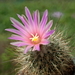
[(33, 32)]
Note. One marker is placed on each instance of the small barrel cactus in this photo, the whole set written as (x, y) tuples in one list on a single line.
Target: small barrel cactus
[(52, 59), (43, 51)]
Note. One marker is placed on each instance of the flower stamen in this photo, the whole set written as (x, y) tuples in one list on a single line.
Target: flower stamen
[(35, 38)]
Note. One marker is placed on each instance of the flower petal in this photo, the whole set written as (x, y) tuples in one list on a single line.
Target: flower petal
[(26, 49), (17, 25), (24, 39), (14, 31), (49, 33), (45, 42), (45, 29), (49, 25), (15, 22), (37, 47), (18, 44), (23, 31), (15, 37), (36, 17), (24, 21), (44, 19), (28, 14)]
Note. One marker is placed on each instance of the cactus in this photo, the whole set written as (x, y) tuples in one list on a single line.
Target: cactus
[(40, 51), (54, 58)]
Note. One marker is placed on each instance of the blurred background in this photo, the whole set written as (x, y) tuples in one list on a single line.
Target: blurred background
[(62, 12)]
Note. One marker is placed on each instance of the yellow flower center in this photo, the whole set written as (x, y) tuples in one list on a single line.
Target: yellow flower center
[(35, 39)]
